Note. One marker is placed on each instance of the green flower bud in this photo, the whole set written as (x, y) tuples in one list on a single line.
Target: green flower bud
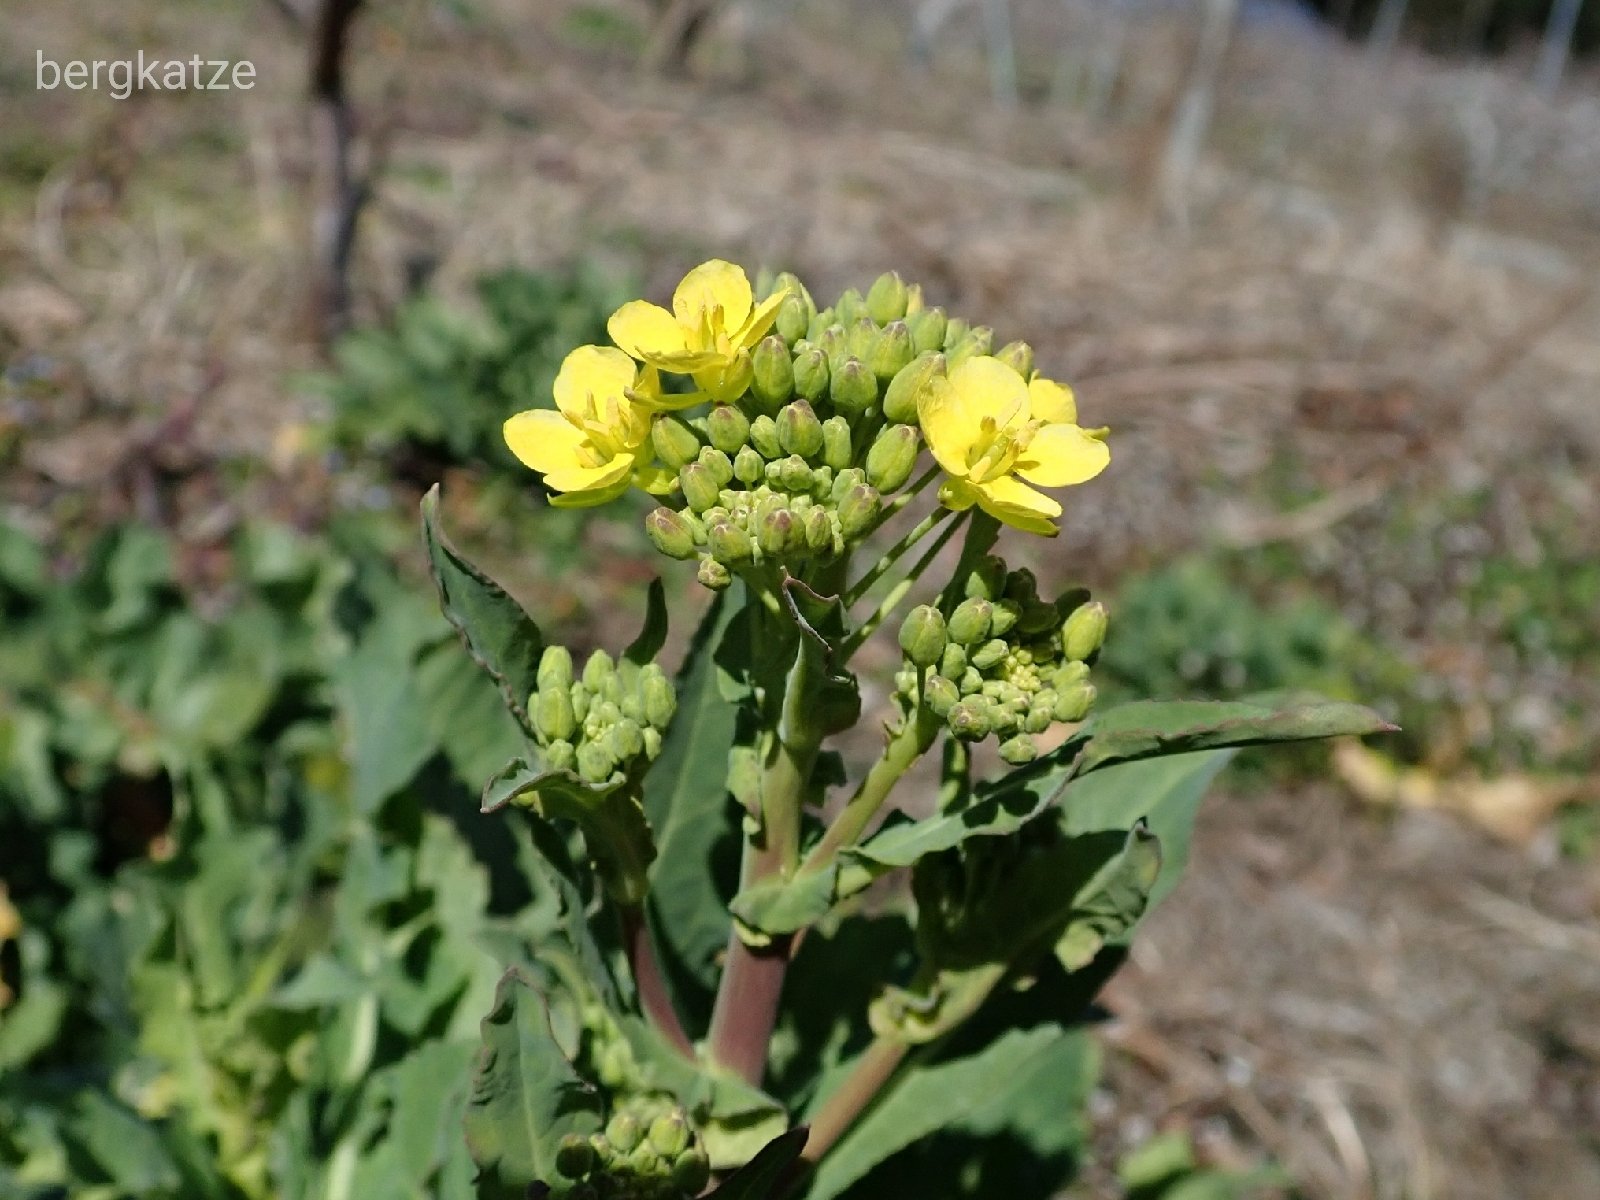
[(728, 428), (560, 756), (969, 720), (1019, 750), (953, 662), (598, 672), (927, 330), (860, 338), (553, 719), (581, 701), (595, 762), (625, 740), (729, 544), (977, 342), (891, 352), (811, 373), (674, 441), (748, 465), (799, 431), (853, 387), (832, 343), (1022, 586), (1041, 711), (713, 574), (1018, 356), (823, 320), (623, 1132), (819, 530), (772, 373), (700, 486), (940, 695), (914, 301), (794, 318), (658, 699), (793, 475), (822, 480), (858, 510), (1074, 701), (989, 655), (1084, 631), (850, 308), (987, 578), (969, 624), (1006, 615), (1037, 618), (764, 437), (906, 388), (838, 705), (718, 463), (652, 742), (955, 329), (555, 668), (691, 1172), (971, 681), (774, 532), (845, 482), (574, 1156), (886, 299), (670, 1135), (922, 635), (836, 443), (893, 457)]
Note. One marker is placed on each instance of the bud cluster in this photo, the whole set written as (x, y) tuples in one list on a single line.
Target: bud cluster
[(606, 723), (801, 464), (646, 1152), (1002, 662)]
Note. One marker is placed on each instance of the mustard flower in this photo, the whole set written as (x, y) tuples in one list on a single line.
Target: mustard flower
[(709, 333), (994, 433), (597, 442)]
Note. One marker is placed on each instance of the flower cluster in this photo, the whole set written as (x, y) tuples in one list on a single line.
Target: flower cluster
[(812, 424), (646, 1152), (1002, 662), (604, 725)]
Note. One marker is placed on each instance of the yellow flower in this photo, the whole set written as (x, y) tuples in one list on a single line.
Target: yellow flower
[(991, 430), (709, 332), (598, 441)]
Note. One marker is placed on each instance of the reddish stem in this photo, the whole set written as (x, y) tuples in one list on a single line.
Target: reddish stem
[(654, 998)]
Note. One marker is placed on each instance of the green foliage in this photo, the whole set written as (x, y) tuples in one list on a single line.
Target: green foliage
[(1165, 1168), (434, 388)]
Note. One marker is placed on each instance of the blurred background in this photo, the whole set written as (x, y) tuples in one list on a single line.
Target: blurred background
[(1328, 270)]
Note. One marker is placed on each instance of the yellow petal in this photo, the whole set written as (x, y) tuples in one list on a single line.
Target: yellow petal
[(950, 423), (957, 495), (991, 388), (656, 479), (760, 320), (1019, 506), (714, 284), (589, 377), (1062, 455), (576, 480), (543, 440), (592, 498), (649, 333), (1051, 401)]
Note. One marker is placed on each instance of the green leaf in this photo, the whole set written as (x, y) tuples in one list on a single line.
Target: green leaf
[(127, 1149), (758, 1178), (1024, 1090), (653, 636), (1163, 792), (614, 827), (686, 799), (525, 1095), (499, 634), (735, 1119), (1151, 728)]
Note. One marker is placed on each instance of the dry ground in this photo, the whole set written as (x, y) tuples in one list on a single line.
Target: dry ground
[(1383, 280)]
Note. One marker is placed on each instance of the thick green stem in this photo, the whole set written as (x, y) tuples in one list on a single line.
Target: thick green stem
[(877, 1066), (654, 998), (746, 1008), (904, 748), (893, 555)]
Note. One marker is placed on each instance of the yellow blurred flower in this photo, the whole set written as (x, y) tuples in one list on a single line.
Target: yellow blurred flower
[(995, 433), (597, 443), (713, 324)]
